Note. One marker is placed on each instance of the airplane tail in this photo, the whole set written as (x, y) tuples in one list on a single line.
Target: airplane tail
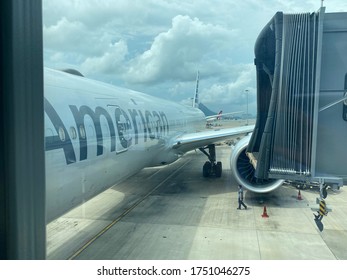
[(219, 115), (196, 96)]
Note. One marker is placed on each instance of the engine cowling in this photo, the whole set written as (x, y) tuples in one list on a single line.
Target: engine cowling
[(243, 170)]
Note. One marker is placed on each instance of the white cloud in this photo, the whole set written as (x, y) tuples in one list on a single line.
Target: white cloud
[(232, 92), (73, 41), (176, 53), (64, 34), (110, 62), (156, 46)]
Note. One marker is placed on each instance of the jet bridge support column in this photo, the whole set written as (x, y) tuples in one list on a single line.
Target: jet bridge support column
[(22, 164)]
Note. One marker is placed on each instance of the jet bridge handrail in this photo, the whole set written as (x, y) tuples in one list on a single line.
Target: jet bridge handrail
[(343, 99)]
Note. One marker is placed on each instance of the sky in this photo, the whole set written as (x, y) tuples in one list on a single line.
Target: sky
[(157, 46)]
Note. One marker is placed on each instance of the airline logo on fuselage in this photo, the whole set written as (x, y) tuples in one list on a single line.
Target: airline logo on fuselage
[(126, 128)]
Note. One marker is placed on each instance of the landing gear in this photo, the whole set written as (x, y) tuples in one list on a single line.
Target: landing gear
[(211, 168), (207, 169)]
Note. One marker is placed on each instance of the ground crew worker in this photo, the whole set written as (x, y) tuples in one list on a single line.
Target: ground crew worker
[(240, 198)]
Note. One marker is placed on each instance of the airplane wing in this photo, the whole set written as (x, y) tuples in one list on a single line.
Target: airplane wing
[(191, 141)]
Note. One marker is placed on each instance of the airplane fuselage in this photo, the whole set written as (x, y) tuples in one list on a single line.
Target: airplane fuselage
[(97, 135)]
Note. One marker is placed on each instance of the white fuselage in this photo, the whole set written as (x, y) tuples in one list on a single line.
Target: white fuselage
[(97, 135)]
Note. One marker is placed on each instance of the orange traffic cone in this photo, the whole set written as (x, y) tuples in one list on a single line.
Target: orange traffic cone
[(299, 196), (265, 215)]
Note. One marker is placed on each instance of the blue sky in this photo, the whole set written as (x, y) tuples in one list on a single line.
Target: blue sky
[(157, 46)]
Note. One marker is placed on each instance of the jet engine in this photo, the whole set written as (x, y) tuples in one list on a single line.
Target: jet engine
[(243, 170)]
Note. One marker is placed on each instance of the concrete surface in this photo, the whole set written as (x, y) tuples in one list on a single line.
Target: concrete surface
[(174, 213)]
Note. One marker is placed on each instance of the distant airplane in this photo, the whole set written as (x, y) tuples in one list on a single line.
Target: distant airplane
[(97, 135), (219, 116)]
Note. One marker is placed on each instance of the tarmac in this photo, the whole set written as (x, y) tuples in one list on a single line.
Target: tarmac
[(174, 213)]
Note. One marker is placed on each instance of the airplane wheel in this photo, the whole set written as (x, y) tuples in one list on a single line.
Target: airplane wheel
[(206, 170), (218, 169)]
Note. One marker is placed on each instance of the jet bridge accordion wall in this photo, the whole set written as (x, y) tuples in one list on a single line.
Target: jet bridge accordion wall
[(301, 126)]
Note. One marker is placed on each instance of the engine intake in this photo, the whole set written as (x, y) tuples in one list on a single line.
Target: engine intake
[(243, 170)]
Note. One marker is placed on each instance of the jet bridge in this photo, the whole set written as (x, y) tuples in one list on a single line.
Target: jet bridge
[(301, 127)]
